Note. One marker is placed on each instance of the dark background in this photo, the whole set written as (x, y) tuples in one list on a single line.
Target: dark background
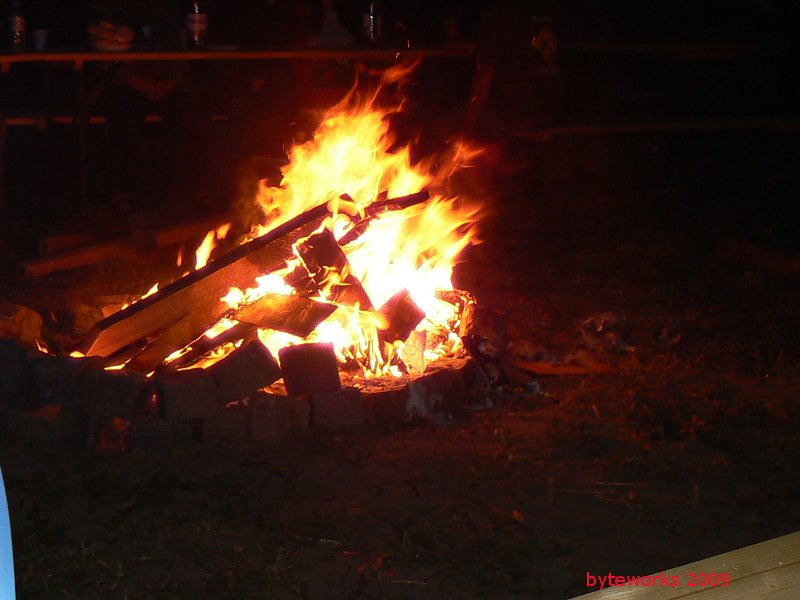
[(620, 63)]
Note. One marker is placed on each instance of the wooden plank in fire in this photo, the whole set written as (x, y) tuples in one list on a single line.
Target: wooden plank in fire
[(291, 314), (203, 345), (322, 255), (201, 290), (402, 315), (175, 337)]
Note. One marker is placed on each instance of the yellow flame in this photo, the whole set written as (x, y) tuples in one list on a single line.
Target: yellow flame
[(351, 153), (206, 247), (150, 292), (203, 251), (351, 162)]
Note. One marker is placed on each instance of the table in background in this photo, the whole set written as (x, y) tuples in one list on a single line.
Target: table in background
[(78, 60)]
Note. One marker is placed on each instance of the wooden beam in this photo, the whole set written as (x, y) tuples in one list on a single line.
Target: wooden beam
[(81, 257), (322, 255), (291, 314), (175, 337), (201, 290), (548, 368), (52, 244)]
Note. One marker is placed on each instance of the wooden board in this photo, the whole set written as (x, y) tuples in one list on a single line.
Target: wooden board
[(203, 288), (73, 259), (175, 337), (769, 570), (292, 314)]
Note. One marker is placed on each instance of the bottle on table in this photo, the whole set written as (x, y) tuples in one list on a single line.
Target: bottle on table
[(196, 25), (16, 27), (373, 22)]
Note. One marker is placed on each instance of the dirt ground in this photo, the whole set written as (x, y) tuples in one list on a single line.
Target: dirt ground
[(688, 449)]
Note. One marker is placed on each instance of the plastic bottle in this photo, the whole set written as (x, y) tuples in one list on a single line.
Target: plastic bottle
[(373, 23), (16, 27)]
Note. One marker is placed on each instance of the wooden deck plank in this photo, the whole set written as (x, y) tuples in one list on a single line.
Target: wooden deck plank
[(769, 570)]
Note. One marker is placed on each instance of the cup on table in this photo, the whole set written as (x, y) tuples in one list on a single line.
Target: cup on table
[(40, 39)]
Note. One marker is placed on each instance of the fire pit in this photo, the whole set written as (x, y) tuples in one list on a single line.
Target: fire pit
[(336, 308)]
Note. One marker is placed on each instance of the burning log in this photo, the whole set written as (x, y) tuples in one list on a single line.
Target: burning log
[(203, 345), (402, 316), (175, 337), (372, 212), (200, 393), (201, 290), (322, 256), (291, 314), (466, 306), (310, 369)]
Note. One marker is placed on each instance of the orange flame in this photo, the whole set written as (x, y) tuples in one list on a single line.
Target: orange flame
[(351, 162), (415, 248), (206, 247)]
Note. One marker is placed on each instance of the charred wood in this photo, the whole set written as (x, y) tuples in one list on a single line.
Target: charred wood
[(203, 345), (322, 257), (291, 314), (175, 337), (402, 315)]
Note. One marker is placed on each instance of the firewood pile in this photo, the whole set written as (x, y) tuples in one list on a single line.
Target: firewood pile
[(142, 371)]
